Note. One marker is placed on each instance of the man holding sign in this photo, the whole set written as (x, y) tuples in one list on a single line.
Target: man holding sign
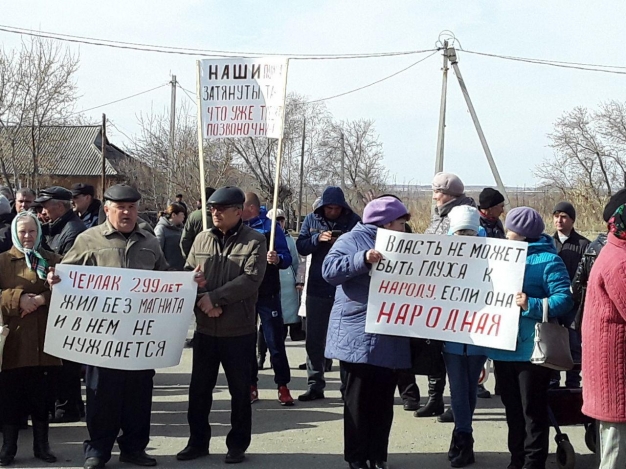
[(117, 399)]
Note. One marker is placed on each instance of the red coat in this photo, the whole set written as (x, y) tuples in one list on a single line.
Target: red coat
[(604, 335)]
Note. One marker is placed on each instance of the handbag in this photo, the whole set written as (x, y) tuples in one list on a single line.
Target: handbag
[(551, 347)]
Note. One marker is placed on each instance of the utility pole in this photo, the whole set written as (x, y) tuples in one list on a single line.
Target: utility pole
[(442, 111), (104, 151), (492, 164), (172, 139), (343, 164), (301, 176)]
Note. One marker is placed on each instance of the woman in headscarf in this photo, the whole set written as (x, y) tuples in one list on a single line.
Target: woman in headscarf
[(604, 345), (26, 368), (368, 360)]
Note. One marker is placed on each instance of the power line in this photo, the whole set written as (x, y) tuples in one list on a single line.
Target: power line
[(121, 99), (554, 63), (373, 83), (195, 52), (187, 93)]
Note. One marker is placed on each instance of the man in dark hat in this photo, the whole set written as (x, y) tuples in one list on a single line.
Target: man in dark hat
[(233, 258), (64, 224), (86, 206), (491, 207), (571, 246), (60, 234), (117, 399), (194, 226)]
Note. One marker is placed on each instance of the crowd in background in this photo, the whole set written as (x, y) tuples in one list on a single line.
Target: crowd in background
[(250, 293)]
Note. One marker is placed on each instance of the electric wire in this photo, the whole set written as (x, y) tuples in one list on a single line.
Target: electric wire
[(119, 100)]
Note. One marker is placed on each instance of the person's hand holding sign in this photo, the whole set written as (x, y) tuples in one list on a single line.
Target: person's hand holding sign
[(199, 277), (52, 278), (272, 257), (373, 256), (325, 236), (521, 300)]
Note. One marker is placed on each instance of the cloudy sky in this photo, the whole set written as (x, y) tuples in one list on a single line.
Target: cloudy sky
[(516, 102)]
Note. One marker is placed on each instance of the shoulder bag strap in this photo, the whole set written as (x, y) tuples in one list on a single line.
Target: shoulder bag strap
[(545, 310)]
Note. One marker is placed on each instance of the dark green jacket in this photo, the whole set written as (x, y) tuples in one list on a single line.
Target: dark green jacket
[(193, 228)]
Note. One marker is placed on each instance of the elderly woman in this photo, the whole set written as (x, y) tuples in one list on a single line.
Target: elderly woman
[(168, 231), (25, 367), (464, 362), (368, 360), (523, 385), (604, 345)]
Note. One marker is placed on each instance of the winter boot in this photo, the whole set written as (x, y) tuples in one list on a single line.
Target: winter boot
[(41, 447), (454, 450), (9, 444), (465, 443), (434, 406)]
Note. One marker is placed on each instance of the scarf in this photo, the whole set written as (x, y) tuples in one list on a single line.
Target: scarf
[(34, 260), (617, 223)]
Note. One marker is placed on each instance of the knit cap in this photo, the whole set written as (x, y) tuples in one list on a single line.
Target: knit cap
[(525, 221), (464, 217), (618, 199), (384, 210), (489, 198), (565, 207), (448, 183)]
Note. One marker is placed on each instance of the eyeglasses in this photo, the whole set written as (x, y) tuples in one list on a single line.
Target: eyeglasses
[(222, 208)]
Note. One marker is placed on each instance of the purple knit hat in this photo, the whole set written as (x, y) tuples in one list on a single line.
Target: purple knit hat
[(384, 210), (525, 221)]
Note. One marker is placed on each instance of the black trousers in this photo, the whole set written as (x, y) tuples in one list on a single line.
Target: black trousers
[(117, 400), (368, 411), (524, 393), (25, 391), (235, 354), (317, 318), (70, 398), (407, 386)]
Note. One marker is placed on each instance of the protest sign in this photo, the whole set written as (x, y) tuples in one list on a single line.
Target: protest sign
[(453, 288), (242, 97), (123, 319)]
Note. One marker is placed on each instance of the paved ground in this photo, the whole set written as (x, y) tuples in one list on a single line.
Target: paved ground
[(308, 435)]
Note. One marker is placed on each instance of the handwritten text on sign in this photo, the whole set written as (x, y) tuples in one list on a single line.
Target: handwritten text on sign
[(243, 97), (120, 318), (454, 288)]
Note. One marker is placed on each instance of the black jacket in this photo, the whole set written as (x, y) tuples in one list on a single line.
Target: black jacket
[(61, 233), (91, 216), (493, 228), (6, 242), (579, 284), (571, 251)]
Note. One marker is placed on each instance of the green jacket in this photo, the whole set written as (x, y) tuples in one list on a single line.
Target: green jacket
[(104, 246), (193, 227), (233, 266)]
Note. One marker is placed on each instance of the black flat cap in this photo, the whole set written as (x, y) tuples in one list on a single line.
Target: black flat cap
[(229, 195), (53, 193), (83, 189), (122, 193)]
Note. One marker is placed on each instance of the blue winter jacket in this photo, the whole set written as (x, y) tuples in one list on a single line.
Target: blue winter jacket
[(345, 268), (545, 277), (271, 280), (307, 242)]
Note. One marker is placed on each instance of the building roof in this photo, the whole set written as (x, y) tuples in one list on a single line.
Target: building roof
[(73, 150)]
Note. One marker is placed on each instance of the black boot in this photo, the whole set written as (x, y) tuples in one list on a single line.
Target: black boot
[(454, 450), (465, 443), (41, 447), (9, 444), (434, 406)]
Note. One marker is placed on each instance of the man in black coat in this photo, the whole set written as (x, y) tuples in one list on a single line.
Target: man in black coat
[(571, 247), (491, 207), (59, 236)]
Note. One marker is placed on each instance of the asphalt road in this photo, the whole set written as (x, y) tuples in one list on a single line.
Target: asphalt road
[(308, 435)]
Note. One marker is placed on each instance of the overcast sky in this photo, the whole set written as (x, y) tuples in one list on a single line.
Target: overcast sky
[(517, 103)]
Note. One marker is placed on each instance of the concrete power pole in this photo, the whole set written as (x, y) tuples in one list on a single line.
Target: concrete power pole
[(301, 176), (172, 139), (442, 112)]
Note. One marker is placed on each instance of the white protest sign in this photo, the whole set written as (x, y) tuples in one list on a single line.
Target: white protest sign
[(124, 319), (453, 288), (243, 97)]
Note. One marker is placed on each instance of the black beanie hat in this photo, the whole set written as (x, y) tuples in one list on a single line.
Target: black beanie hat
[(618, 199), (489, 198), (565, 207)]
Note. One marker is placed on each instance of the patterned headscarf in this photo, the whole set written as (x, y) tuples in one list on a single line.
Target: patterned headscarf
[(617, 223), (34, 260)]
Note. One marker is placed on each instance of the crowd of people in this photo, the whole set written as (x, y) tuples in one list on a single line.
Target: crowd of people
[(251, 284)]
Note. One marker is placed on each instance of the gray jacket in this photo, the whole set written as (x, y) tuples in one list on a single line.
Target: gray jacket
[(169, 239), (440, 223)]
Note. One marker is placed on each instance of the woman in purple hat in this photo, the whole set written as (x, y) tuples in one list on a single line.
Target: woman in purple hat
[(368, 360)]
